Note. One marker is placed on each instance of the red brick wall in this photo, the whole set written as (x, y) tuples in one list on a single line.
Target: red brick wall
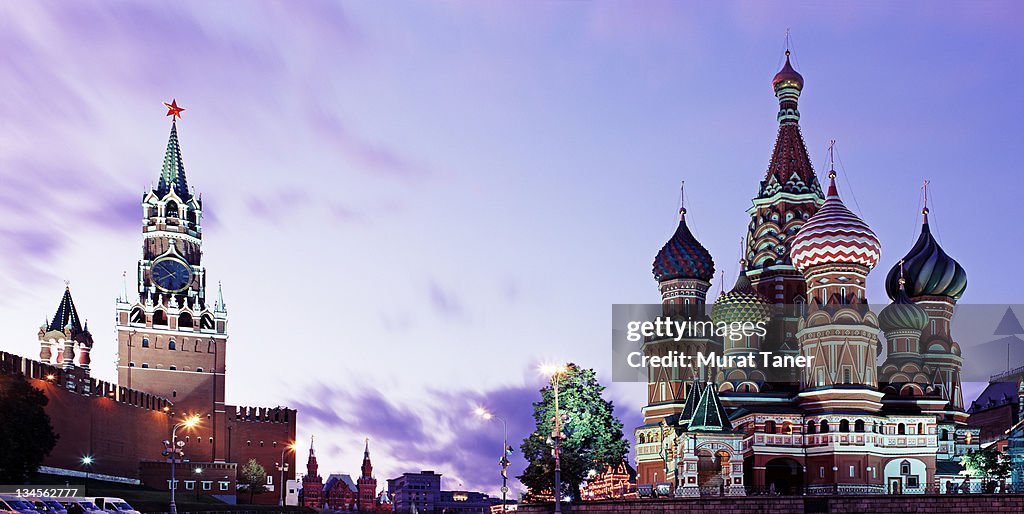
[(247, 428), (875, 504)]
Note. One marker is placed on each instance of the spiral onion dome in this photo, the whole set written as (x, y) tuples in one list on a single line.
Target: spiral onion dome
[(741, 304), (683, 257), (834, 235), (928, 270), (902, 314), (787, 76)]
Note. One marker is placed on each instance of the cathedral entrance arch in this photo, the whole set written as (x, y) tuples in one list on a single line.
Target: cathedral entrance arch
[(784, 476)]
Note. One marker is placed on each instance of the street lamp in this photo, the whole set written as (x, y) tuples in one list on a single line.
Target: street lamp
[(174, 449), (554, 371), (282, 466), (506, 450)]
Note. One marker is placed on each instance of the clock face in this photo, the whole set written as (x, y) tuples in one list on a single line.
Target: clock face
[(171, 275)]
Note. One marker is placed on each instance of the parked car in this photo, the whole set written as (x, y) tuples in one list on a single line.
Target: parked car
[(6, 509), (80, 506), (111, 504), (49, 506), (19, 504)]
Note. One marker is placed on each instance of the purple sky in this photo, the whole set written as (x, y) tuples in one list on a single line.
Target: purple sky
[(412, 204)]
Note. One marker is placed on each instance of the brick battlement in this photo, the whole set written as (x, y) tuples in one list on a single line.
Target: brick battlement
[(78, 381), (261, 414)]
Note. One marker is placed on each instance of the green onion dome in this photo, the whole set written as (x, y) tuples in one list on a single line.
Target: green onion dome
[(902, 314), (741, 304)]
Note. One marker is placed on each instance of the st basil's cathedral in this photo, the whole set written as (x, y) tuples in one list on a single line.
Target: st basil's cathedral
[(843, 424)]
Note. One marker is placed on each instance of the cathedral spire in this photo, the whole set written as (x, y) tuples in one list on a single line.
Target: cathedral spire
[(172, 174), (311, 464), (790, 169)]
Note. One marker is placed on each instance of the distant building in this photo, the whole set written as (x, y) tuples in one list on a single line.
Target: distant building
[(421, 493), (420, 490), (340, 491)]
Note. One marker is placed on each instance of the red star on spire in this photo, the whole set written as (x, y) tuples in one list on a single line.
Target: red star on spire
[(173, 110)]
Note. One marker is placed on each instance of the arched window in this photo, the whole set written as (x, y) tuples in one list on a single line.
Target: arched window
[(920, 428), (131, 364), (145, 342), (199, 370), (159, 318), (171, 345), (844, 425), (812, 427), (905, 467), (172, 367), (901, 429), (185, 321), (206, 322), (945, 434), (640, 439), (824, 426), (171, 210), (858, 426), (769, 427), (145, 365), (138, 316)]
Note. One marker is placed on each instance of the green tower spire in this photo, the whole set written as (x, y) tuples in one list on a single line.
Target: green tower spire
[(709, 414), (172, 175)]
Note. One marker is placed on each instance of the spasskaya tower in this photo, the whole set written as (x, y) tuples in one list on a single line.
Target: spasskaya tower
[(172, 336)]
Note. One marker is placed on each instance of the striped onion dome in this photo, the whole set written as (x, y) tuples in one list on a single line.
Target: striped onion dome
[(902, 314), (928, 270), (834, 235), (742, 303), (683, 256)]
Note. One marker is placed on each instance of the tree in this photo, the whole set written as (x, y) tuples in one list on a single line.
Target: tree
[(25, 429), (593, 435), (254, 478), (988, 463)]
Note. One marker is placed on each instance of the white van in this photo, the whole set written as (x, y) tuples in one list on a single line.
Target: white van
[(111, 504)]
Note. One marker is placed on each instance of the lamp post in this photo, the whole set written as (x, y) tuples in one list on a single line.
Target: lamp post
[(199, 478), (282, 466), (556, 434), (505, 451), (87, 463), (174, 450)]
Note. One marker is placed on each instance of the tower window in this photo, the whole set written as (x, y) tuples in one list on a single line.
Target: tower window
[(199, 370), (145, 364), (159, 318), (173, 367), (131, 364), (174, 394), (145, 342), (171, 345), (847, 376), (844, 425), (824, 427), (901, 429), (769, 427), (858, 426)]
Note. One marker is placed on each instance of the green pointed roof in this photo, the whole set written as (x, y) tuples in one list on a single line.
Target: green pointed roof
[(709, 414), (692, 397), (172, 175)]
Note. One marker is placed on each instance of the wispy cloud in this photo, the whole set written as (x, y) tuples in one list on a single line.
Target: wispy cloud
[(373, 157)]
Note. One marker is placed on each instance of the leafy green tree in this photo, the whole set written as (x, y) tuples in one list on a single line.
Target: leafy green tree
[(254, 478), (25, 429), (593, 435), (988, 463)]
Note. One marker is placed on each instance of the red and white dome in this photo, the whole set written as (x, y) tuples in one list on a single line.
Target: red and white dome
[(834, 235)]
